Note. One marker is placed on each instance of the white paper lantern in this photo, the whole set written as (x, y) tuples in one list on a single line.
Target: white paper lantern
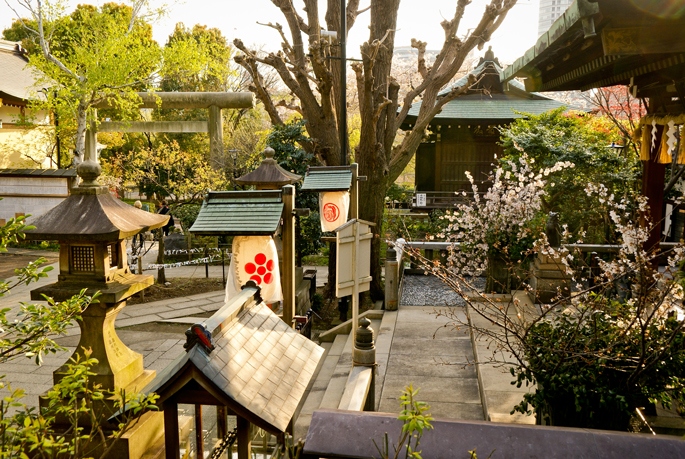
[(255, 258), (333, 208)]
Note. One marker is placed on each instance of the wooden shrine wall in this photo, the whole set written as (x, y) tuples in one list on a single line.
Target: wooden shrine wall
[(441, 162)]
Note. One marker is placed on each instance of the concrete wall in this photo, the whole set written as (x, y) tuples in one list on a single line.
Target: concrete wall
[(30, 195), (17, 143)]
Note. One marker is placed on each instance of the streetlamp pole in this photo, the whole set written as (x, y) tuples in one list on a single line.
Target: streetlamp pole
[(342, 125)]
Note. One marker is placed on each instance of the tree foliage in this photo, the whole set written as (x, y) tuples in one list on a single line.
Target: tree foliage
[(97, 54), (180, 176), (555, 137)]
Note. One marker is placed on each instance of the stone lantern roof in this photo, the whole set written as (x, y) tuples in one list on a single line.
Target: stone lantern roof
[(93, 214), (269, 175)]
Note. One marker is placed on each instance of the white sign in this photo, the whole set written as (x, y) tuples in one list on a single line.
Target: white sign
[(420, 199), (347, 252)]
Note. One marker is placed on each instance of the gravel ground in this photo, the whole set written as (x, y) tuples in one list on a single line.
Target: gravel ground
[(421, 290)]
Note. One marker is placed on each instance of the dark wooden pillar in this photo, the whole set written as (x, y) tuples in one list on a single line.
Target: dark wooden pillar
[(244, 446), (171, 443), (221, 422), (199, 437), (653, 179), (653, 189)]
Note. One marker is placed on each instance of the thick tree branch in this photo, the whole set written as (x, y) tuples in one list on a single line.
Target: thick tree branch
[(403, 153)]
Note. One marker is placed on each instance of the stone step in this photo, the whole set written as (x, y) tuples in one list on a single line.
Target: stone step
[(336, 385), (312, 400), (383, 341), (498, 395)]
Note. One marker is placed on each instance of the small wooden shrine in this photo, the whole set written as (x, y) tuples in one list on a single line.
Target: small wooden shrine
[(244, 359), (464, 136)]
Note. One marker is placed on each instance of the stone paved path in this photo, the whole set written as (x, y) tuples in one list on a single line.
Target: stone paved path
[(429, 353)]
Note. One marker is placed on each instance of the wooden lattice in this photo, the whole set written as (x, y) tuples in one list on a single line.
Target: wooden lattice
[(83, 259)]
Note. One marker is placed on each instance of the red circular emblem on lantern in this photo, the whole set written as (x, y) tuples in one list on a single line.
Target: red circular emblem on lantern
[(330, 212), (261, 265)]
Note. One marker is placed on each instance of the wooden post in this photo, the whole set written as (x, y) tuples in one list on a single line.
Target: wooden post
[(221, 422), (161, 276), (288, 241), (355, 288), (354, 214), (244, 446), (199, 439), (354, 191), (216, 136), (171, 443), (653, 179)]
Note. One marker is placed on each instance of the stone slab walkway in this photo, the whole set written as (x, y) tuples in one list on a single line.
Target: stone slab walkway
[(429, 353)]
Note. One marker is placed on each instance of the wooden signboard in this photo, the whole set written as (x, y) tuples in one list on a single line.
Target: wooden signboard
[(347, 251)]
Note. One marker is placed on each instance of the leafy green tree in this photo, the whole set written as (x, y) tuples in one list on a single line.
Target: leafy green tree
[(286, 140), (216, 74), (95, 55), (172, 173), (557, 136), (30, 331)]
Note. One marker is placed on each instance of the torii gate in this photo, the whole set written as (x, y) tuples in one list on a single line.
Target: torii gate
[(212, 101)]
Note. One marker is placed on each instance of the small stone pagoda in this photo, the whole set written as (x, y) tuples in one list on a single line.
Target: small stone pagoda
[(91, 227), (269, 175)]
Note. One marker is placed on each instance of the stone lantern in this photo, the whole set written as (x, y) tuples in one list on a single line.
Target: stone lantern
[(91, 227), (269, 175)]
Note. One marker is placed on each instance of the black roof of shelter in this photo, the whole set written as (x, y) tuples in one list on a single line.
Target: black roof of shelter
[(247, 213), (245, 358), (598, 43), (488, 99)]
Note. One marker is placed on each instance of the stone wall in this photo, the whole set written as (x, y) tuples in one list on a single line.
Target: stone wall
[(30, 195)]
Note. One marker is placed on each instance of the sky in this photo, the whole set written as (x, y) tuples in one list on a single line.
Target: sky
[(416, 19)]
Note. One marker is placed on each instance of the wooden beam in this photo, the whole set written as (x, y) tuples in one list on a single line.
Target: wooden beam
[(642, 40), (199, 438), (188, 100), (153, 126)]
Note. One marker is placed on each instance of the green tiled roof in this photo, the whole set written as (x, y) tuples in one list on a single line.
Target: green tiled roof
[(327, 179), (496, 106), (483, 107), (239, 213)]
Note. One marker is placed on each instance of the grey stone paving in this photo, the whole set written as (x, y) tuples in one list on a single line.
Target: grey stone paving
[(429, 353), (421, 290)]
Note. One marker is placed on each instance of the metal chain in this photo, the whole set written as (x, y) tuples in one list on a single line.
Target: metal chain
[(226, 442)]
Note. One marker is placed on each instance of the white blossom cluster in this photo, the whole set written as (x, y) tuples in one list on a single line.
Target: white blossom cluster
[(487, 225)]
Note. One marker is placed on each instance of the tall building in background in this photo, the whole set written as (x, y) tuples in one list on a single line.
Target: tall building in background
[(550, 10)]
